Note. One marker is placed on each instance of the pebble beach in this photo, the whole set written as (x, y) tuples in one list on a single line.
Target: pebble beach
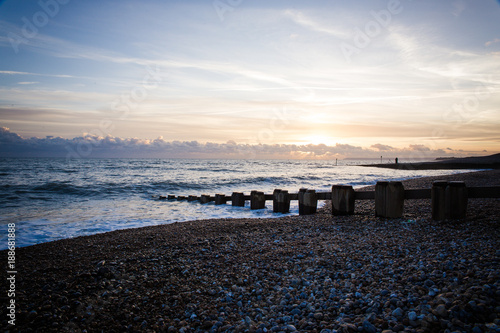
[(317, 273)]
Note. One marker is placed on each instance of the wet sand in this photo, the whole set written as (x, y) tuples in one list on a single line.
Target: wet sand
[(318, 273)]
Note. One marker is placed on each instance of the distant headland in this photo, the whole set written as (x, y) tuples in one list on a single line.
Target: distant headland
[(479, 162)]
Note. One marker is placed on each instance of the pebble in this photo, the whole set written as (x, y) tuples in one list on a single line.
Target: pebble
[(398, 313), (441, 311), (368, 327)]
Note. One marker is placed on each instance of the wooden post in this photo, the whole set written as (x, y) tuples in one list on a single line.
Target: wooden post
[(205, 198), (192, 198), (389, 199), (395, 200), (380, 198), (181, 197), (238, 199), (342, 200), (456, 200), (283, 202), (438, 200), (309, 202), (275, 200), (171, 197), (220, 199), (257, 200), (300, 195)]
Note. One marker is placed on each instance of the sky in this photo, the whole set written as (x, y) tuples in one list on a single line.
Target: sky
[(249, 79)]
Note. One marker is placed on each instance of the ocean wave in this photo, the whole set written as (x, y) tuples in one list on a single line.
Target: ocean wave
[(61, 187), (212, 169), (308, 178)]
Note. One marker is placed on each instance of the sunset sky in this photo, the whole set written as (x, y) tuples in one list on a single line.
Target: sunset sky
[(363, 78)]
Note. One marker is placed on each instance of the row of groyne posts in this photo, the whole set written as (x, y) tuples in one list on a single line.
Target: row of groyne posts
[(448, 199)]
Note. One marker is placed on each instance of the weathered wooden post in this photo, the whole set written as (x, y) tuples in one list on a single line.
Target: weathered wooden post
[(192, 198), (389, 199), (220, 199), (275, 200), (205, 198), (438, 200), (171, 197), (380, 198), (309, 202), (300, 196), (342, 200), (283, 202), (238, 199), (181, 197), (257, 200), (395, 200), (456, 200)]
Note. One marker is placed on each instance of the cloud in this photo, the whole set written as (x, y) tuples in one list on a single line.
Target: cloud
[(312, 24), (491, 42), (418, 148), (381, 147), (91, 145), (7, 137), (34, 74)]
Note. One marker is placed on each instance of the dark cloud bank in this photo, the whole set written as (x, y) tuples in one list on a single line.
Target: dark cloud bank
[(91, 146)]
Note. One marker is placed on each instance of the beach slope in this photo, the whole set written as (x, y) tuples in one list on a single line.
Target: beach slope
[(311, 274)]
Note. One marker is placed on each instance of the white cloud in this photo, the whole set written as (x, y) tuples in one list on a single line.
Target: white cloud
[(312, 23), (34, 74), (89, 145), (491, 42)]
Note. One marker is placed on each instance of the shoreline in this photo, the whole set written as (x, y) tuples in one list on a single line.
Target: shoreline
[(305, 273), (479, 163), (435, 166)]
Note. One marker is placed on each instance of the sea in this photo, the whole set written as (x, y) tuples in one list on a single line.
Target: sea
[(48, 199)]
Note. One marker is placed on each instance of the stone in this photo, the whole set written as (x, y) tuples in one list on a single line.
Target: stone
[(441, 311), (318, 315), (368, 327), (398, 328), (398, 313), (412, 315)]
